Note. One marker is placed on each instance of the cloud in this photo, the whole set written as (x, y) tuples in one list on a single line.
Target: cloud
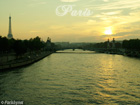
[(34, 31), (123, 35), (69, 0), (114, 5), (37, 3), (128, 33), (106, 0), (120, 5), (91, 22), (112, 13)]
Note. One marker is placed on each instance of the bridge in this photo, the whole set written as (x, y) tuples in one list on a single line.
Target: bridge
[(101, 50), (103, 47), (91, 48), (65, 48)]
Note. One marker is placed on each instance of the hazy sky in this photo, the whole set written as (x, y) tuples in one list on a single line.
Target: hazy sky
[(31, 18)]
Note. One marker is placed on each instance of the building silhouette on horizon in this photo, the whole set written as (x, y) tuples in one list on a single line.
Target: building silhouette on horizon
[(111, 45), (10, 29)]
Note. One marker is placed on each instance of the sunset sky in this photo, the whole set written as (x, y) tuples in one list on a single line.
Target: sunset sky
[(111, 18)]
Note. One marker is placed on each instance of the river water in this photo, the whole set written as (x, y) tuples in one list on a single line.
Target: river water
[(74, 78)]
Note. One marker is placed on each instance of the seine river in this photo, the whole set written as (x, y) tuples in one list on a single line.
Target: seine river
[(74, 78)]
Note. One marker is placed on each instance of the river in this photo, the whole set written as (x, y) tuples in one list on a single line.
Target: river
[(74, 78)]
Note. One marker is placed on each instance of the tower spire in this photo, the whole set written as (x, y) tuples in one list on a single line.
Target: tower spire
[(113, 43), (108, 44), (10, 30)]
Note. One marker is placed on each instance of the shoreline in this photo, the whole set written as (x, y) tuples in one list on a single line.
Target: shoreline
[(134, 54), (18, 63)]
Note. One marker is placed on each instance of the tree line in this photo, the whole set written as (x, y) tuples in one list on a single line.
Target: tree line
[(132, 44), (21, 46), (105, 44), (36, 44)]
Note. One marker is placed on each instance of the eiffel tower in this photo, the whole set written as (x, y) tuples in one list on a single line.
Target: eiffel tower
[(10, 30)]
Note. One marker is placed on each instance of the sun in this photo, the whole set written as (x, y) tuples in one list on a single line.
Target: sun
[(108, 32)]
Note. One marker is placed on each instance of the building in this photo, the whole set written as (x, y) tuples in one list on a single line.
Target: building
[(48, 44), (10, 30), (108, 44), (113, 43)]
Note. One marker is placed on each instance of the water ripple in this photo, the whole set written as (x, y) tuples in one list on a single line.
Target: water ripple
[(75, 79)]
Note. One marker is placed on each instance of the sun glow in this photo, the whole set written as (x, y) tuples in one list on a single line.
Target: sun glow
[(108, 31)]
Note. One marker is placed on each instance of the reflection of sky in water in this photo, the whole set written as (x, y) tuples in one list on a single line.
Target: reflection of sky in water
[(75, 79)]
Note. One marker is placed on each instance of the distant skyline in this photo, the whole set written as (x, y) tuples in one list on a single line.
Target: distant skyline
[(111, 18)]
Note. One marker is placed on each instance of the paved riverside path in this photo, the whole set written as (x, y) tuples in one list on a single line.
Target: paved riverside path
[(24, 60)]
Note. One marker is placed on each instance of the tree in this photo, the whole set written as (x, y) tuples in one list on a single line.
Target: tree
[(19, 47)]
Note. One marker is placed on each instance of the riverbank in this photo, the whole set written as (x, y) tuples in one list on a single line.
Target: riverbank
[(124, 52), (24, 61)]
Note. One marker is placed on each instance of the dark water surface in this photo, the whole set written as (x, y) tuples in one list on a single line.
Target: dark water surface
[(75, 78)]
